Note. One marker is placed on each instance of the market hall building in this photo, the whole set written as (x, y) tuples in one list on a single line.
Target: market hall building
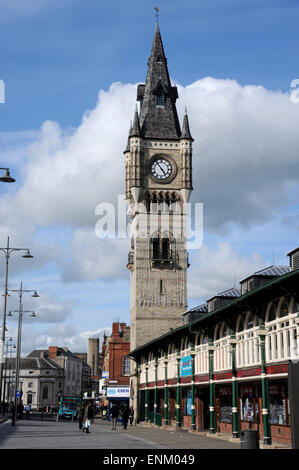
[(226, 369)]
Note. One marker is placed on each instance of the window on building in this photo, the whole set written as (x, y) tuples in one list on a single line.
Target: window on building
[(279, 413), (126, 365), (249, 409), (45, 392), (160, 97), (30, 384), (284, 309)]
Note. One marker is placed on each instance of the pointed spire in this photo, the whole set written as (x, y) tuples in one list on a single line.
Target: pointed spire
[(135, 130), (158, 115), (128, 142), (185, 128)]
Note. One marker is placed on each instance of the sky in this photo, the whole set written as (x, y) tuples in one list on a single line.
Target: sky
[(70, 69)]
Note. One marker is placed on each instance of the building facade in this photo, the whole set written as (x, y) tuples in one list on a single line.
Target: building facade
[(158, 185), (116, 364), (227, 370), (40, 382), (69, 363)]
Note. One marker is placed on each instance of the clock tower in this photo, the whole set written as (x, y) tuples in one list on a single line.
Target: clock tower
[(158, 185)]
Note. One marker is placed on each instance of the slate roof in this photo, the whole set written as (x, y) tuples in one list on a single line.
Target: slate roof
[(203, 308), (60, 352), (33, 363), (271, 271), (232, 293)]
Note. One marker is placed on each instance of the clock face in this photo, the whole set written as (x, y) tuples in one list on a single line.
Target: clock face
[(161, 169)]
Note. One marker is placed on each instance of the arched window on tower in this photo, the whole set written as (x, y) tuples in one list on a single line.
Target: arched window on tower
[(161, 251)]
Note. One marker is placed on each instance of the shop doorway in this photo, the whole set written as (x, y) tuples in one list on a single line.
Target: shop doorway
[(202, 409)]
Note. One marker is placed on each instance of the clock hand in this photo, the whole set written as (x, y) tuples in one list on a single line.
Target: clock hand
[(161, 168)]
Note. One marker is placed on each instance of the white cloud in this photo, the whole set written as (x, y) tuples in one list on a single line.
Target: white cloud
[(46, 309), (215, 270), (64, 335), (245, 167)]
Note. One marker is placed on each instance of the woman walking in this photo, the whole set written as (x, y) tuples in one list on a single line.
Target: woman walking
[(131, 415)]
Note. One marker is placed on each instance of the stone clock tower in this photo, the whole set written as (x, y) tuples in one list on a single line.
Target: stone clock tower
[(158, 184)]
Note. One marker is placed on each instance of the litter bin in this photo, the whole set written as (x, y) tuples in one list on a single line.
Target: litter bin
[(249, 439)]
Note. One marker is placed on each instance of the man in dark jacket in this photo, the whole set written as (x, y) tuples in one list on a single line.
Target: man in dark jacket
[(114, 412), (125, 417), (80, 415)]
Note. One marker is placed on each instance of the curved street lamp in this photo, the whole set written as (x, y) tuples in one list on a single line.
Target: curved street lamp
[(6, 178), (20, 311), (7, 251)]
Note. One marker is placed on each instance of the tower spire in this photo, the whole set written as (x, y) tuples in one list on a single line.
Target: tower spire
[(135, 131), (185, 128), (158, 114)]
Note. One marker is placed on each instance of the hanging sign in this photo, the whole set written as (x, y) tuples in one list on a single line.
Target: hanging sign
[(185, 366)]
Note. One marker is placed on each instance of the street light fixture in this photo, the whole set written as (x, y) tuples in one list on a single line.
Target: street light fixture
[(7, 252), (21, 313), (6, 178)]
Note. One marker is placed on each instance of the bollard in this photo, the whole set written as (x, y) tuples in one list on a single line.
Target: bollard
[(42, 416)]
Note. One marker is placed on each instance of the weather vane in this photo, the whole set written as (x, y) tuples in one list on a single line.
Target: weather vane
[(157, 14)]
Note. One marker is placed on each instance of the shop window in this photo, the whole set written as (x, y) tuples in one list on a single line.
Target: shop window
[(249, 408), (279, 413)]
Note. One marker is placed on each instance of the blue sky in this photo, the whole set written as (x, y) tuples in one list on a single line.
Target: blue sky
[(56, 57)]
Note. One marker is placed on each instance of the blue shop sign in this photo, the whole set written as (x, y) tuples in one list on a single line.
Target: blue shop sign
[(186, 366)]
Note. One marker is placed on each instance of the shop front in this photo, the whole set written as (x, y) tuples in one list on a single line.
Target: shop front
[(279, 412), (118, 395)]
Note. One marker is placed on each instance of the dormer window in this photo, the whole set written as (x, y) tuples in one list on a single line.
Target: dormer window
[(159, 59), (160, 98)]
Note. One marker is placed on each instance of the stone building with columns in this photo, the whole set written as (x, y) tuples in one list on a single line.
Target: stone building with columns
[(227, 369)]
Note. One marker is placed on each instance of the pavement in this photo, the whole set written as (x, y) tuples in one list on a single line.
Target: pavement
[(37, 434), (44, 434)]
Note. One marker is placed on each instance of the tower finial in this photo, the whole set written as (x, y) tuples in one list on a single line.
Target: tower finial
[(157, 14)]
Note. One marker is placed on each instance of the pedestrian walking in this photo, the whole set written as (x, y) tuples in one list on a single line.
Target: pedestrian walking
[(20, 410), (13, 414), (125, 417), (86, 425), (114, 412), (86, 420), (131, 415), (27, 411), (80, 415), (90, 412)]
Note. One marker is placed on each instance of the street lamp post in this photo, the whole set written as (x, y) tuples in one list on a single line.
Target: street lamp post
[(20, 311), (8, 340), (7, 251)]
